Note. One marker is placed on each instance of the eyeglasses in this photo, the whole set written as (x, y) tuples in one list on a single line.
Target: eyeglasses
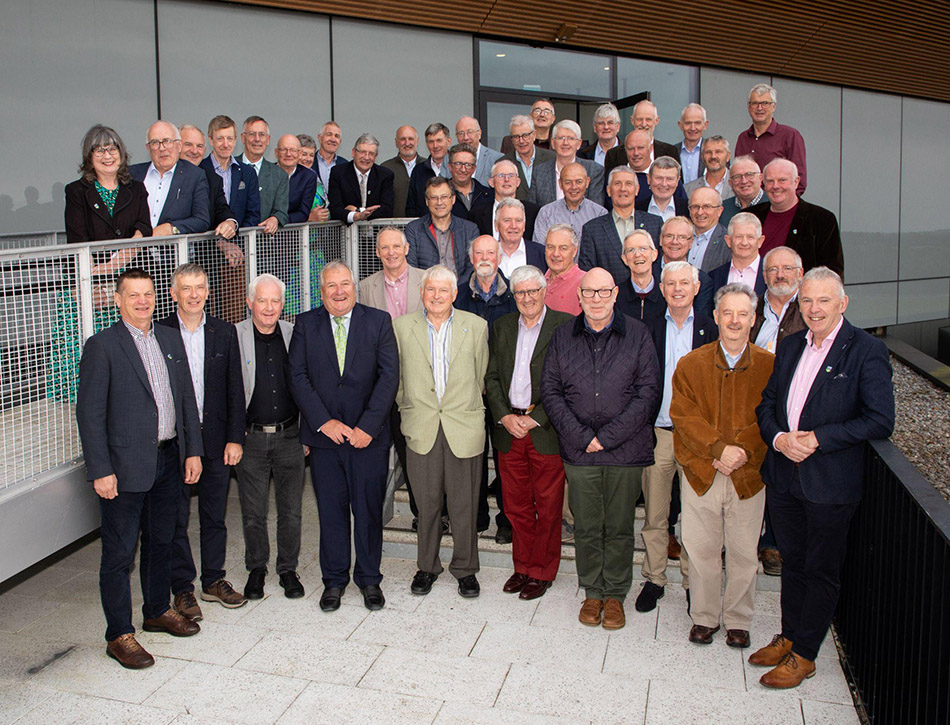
[(506, 177), (522, 293), (439, 199), (288, 151), (678, 237), (100, 151), (748, 175), (522, 136), (704, 207), (637, 250), (588, 294), (761, 104), (256, 134), (564, 138), (462, 164), (786, 268), (157, 143), (541, 112)]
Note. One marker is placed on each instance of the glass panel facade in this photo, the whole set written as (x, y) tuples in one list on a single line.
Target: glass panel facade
[(671, 87), (543, 70)]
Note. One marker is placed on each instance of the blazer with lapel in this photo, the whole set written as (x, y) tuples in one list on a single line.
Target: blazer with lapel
[(88, 220), (423, 251), (850, 403), (218, 203), (501, 365), (416, 198), (703, 304), (705, 331), (485, 220), (717, 251), (274, 190), (373, 290), (303, 187), (544, 181), (400, 183), (188, 204), (245, 335), (486, 158), (116, 410), (720, 278), (345, 190), (224, 417), (601, 245), (680, 204), (540, 156), (362, 396), (814, 234), (461, 411), (245, 201)]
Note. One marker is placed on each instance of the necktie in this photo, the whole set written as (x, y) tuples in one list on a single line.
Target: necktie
[(339, 341), (363, 190)]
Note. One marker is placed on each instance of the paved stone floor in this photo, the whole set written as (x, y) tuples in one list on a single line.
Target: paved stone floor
[(438, 658)]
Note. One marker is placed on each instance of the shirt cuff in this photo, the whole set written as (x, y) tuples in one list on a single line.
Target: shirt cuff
[(776, 438), (349, 217)]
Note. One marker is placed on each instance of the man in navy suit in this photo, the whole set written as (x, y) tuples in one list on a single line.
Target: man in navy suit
[(142, 442), (303, 181), (361, 189), (744, 239), (515, 250), (240, 180), (676, 238), (344, 367), (215, 363), (193, 150), (830, 392), (601, 240)]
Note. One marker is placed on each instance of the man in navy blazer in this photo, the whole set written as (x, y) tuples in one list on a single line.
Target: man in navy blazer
[(830, 392), (515, 248), (676, 239), (215, 364), (744, 239), (303, 181), (242, 192), (141, 440), (344, 367), (361, 189), (601, 243)]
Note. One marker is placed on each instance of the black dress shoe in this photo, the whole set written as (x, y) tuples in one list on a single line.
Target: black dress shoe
[(422, 582), (330, 599), (254, 589), (293, 589), (503, 535), (468, 587), (647, 599), (373, 598)]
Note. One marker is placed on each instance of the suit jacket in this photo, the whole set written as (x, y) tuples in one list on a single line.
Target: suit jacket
[(482, 197), (345, 191), (705, 331), (486, 159), (303, 187), (245, 336), (416, 198), (850, 403), (589, 151), (703, 303), (245, 201), (461, 412), (400, 183), (218, 203), (88, 220), (601, 245), (700, 181), (540, 156), (680, 204), (274, 190), (116, 410), (362, 396), (485, 220), (717, 251), (544, 182), (501, 364), (617, 156), (187, 205), (424, 252), (814, 235), (224, 416), (373, 290), (720, 278)]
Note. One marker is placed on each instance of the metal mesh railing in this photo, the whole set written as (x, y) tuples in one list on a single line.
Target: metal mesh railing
[(31, 239), (363, 238)]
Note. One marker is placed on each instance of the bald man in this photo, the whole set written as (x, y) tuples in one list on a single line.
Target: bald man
[(468, 131), (303, 181), (402, 164)]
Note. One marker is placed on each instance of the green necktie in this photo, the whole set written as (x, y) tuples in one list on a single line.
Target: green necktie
[(339, 340)]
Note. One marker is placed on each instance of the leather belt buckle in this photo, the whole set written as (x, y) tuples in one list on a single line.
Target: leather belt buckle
[(270, 428)]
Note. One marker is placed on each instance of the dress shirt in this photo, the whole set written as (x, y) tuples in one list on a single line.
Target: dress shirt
[(745, 276), (157, 185), (444, 242), (494, 208), (397, 293), (624, 226), (643, 290), (256, 164), (435, 166), (808, 366), (440, 348), (346, 322), (519, 392), (667, 213), (325, 170), (561, 292), (732, 359), (756, 200), (360, 176), (679, 342), (600, 154), (558, 212), (153, 360), (777, 141), (272, 401), (690, 161), (725, 191), (225, 173), (698, 250), (195, 350), (768, 333), (507, 264), (527, 168), (410, 165)]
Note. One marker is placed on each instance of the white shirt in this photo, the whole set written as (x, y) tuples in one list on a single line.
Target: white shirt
[(157, 185), (195, 351), (600, 154), (255, 164), (410, 165), (668, 213), (518, 258), (359, 180)]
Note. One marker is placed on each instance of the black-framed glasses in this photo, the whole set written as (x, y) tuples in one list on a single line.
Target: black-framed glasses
[(588, 294), (522, 293)]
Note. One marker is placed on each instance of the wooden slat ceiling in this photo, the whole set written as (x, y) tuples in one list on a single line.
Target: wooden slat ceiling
[(891, 46)]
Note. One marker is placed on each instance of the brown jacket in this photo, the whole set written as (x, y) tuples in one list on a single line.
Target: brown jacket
[(713, 407)]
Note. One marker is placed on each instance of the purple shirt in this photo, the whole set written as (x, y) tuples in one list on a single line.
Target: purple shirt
[(397, 293), (519, 392), (776, 142)]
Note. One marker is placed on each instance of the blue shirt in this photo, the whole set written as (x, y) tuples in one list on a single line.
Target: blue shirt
[(698, 250), (690, 161), (679, 342), (732, 359)]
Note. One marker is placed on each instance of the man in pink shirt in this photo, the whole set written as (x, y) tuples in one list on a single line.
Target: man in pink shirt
[(563, 275), (744, 238)]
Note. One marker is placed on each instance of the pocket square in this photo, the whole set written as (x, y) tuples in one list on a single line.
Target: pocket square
[(240, 186), (840, 376)]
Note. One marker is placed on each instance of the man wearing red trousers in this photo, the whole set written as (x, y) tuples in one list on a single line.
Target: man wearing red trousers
[(527, 445)]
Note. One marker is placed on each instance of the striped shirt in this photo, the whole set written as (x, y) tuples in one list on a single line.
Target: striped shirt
[(440, 346), (195, 352), (153, 359)]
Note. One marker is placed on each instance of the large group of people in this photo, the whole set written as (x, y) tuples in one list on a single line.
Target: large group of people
[(608, 320)]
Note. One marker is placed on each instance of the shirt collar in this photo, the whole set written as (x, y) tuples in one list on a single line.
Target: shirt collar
[(537, 325), (181, 322), (151, 168), (669, 317), (810, 338), (136, 332), (399, 280)]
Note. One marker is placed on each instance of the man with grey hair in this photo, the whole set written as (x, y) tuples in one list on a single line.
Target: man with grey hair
[(402, 165), (639, 295), (303, 181), (273, 184), (438, 140), (644, 117), (525, 152), (443, 355), (693, 123), (330, 138), (709, 248), (516, 251), (345, 404), (361, 189), (716, 156), (505, 182), (469, 131), (744, 239), (667, 198), (767, 139), (574, 208), (606, 128), (716, 440), (271, 445), (564, 274), (565, 142), (745, 181)]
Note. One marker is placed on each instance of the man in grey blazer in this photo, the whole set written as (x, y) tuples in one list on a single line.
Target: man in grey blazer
[(709, 248), (468, 131), (271, 445), (274, 183), (566, 141), (525, 153)]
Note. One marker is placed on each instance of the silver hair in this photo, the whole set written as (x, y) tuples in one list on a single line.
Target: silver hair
[(796, 255), (477, 124), (187, 269), (624, 169), (671, 267), (392, 228), (174, 129), (735, 288), (681, 219), (435, 128), (607, 111), (521, 120), (563, 228), (365, 138), (779, 161), (306, 141), (190, 127), (665, 162), (502, 162), (744, 217), (568, 125), (527, 273), (747, 159), (818, 274), (252, 287), (440, 273), (719, 139), (640, 233), (333, 266), (646, 101), (693, 107), (509, 202), (759, 88)]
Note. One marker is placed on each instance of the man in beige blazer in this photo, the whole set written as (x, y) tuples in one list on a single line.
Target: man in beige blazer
[(443, 355)]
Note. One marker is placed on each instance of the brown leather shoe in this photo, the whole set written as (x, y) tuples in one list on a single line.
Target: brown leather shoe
[(129, 653), (771, 562), (673, 548), (515, 583), (534, 588), (614, 617), (591, 611), (187, 606), (223, 593), (702, 635), (772, 653), (173, 623), (789, 672), (737, 638)]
